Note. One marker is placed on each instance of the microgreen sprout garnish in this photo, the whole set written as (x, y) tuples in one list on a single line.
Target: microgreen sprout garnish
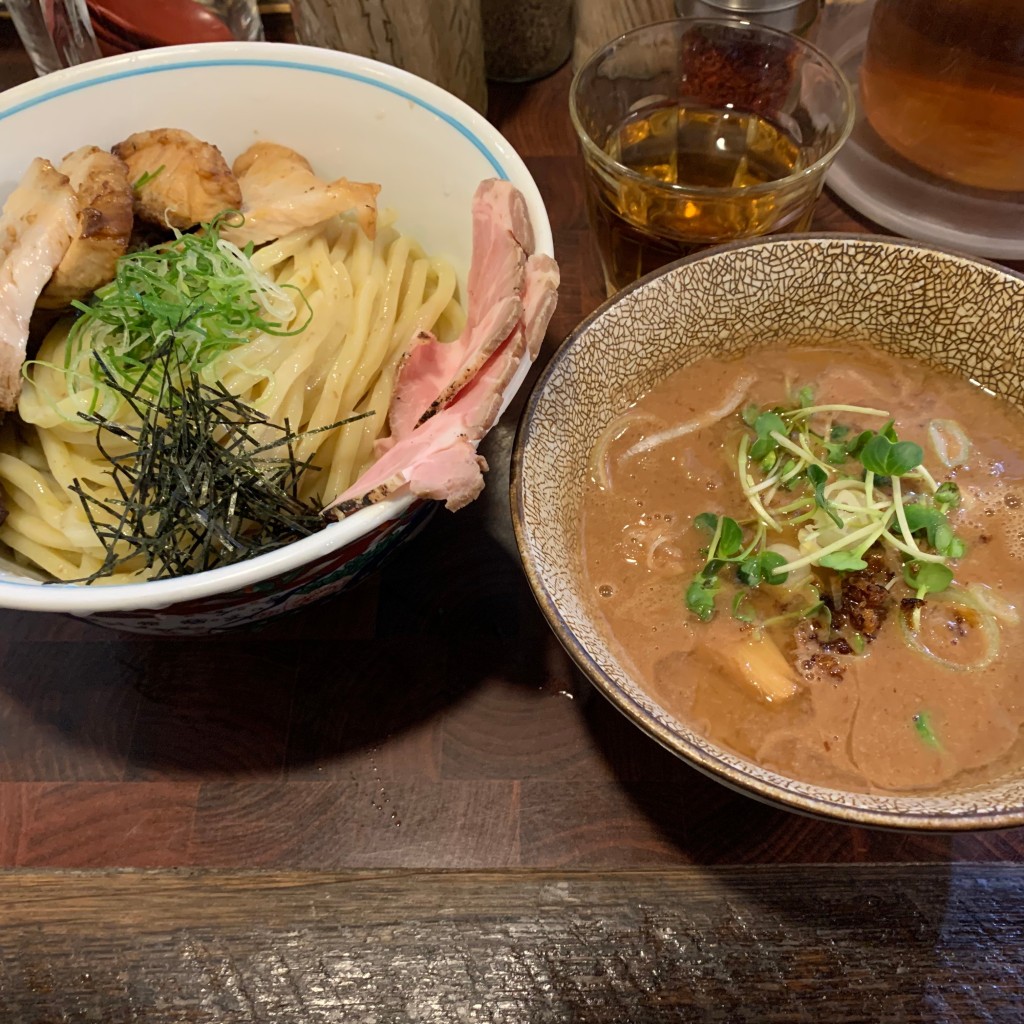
[(843, 561), (947, 496), (761, 568), (727, 549), (889, 458), (925, 578), (199, 291), (741, 608), (825, 484), (700, 596), (818, 478), (764, 426)]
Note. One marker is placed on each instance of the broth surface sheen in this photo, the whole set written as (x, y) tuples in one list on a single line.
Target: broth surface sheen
[(885, 719)]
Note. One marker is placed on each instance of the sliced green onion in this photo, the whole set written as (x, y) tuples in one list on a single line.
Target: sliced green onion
[(198, 293), (988, 600), (923, 728), (986, 623), (950, 441)]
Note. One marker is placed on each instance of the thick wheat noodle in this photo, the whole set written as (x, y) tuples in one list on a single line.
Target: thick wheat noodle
[(252, 375), (422, 309), (252, 371), (328, 406), (58, 458), (45, 400), (414, 294), (598, 461), (274, 254), (35, 528), (265, 369), (294, 377), (293, 356), (368, 353), (30, 455), (358, 333), (361, 257), (326, 393), (418, 310), (86, 470), (355, 443), (48, 559), (367, 299), (33, 491)]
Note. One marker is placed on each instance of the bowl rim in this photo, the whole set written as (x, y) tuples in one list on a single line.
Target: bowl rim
[(27, 594), (704, 757), (738, 27)]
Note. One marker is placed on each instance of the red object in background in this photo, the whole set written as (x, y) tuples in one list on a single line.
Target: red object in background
[(125, 25)]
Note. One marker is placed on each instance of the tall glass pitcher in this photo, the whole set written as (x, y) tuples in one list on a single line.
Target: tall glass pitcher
[(943, 84)]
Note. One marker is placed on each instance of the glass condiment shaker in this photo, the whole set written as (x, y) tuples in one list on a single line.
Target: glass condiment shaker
[(526, 39), (796, 16)]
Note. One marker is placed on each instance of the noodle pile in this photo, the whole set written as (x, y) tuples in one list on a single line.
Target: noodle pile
[(362, 301)]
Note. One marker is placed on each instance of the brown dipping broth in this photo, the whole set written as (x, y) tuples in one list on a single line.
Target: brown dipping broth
[(859, 730)]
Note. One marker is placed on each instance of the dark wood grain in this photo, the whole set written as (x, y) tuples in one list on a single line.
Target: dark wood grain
[(15, 67), (758, 945), (427, 719)]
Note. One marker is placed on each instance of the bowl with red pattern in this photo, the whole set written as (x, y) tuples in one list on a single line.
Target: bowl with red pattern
[(348, 115)]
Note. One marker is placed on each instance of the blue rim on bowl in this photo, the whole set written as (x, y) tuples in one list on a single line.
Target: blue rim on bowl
[(272, 62)]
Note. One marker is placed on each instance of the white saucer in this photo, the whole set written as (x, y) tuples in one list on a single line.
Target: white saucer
[(880, 184)]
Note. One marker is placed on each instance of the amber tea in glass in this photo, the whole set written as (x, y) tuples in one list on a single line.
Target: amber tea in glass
[(641, 225), (699, 132)]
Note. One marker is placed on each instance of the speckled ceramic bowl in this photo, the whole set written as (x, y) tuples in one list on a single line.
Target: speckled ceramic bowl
[(348, 115), (940, 307)]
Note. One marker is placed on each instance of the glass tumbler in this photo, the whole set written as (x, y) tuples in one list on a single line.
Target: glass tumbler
[(699, 132), (60, 33)]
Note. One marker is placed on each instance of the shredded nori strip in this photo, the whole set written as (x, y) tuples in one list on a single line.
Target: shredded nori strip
[(198, 489)]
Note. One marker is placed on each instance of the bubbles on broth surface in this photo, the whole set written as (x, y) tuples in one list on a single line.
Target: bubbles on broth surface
[(998, 507)]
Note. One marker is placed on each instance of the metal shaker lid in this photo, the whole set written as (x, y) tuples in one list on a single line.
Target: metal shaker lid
[(761, 6), (788, 15)]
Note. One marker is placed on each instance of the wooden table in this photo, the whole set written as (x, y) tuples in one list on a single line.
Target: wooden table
[(406, 804)]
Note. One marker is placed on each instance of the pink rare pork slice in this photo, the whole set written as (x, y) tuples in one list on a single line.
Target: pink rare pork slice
[(448, 395)]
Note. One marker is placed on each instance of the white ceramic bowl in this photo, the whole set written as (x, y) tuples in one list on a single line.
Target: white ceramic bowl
[(350, 116)]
